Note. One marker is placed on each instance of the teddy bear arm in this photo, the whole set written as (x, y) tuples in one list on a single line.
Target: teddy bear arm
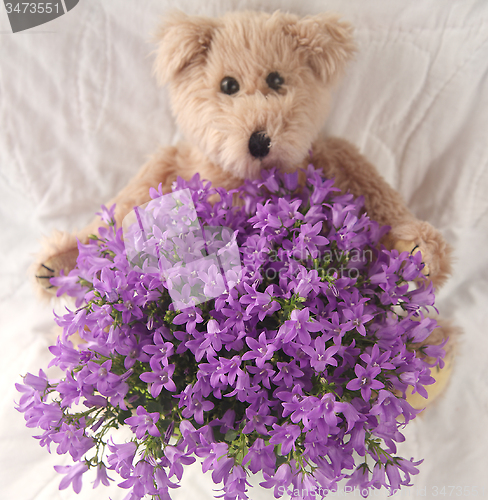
[(160, 169), (352, 172), (60, 250)]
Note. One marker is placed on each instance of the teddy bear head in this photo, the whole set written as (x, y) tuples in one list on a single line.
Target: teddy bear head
[(251, 90)]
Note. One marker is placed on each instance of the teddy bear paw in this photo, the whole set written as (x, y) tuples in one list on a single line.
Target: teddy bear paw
[(53, 267), (43, 276), (412, 248), (419, 236)]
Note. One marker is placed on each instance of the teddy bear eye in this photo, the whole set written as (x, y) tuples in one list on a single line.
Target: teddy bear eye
[(229, 85), (275, 81)]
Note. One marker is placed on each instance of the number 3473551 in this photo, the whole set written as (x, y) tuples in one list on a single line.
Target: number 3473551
[(459, 491), (33, 8)]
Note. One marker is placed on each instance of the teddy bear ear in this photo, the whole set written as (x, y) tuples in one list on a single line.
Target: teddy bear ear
[(182, 41), (326, 41)]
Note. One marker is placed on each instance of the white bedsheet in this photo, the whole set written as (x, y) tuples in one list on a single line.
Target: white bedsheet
[(80, 111)]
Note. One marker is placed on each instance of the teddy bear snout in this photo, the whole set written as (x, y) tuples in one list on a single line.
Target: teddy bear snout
[(259, 144)]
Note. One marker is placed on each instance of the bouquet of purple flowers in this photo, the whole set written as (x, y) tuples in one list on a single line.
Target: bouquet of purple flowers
[(273, 336)]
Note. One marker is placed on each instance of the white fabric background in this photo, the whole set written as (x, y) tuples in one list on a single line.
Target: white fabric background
[(80, 111)]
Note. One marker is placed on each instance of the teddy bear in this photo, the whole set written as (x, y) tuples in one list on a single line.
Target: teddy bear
[(251, 91)]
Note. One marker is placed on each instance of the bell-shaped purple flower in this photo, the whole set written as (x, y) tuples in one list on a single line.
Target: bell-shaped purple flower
[(144, 422)]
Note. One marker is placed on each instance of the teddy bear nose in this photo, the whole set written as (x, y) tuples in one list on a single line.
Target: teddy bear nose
[(259, 144)]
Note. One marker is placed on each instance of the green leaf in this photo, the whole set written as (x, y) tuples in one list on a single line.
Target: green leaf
[(123, 415), (231, 435)]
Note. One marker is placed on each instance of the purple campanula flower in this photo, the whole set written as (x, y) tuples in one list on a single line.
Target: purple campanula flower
[(243, 388), (300, 324), (290, 180), (261, 303), (160, 351), (231, 368), (308, 240), (266, 218), (258, 420), (388, 407), (222, 469), (205, 345), (236, 316), (255, 251), (226, 422), (159, 379), (417, 380), (373, 358), (306, 282), (335, 327), (30, 397), (177, 460), (235, 484), (394, 478), (421, 297), (359, 479), (71, 439), (107, 214), (196, 407), (326, 410), (122, 457), (300, 407), (304, 354), (163, 482), (288, 372), (39, 383), (352, 416), (288, 212), (315, 444), (270, 181), (110, 284), (102, 476), (213, 279), (437, 352), (320, 357), (261, 349), (261, 457), (133, 350), (100, 375), (262, 375), (212, 454), (141, 480), (365, 381), (279, 481), (73, 475), (285, 435), (70, 285), (215, 334), (144, 422), (412, 266), (378, 477), (422, 329), (215, 373), (189, 317), (306, 484), (103, 315), (357, 317)]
